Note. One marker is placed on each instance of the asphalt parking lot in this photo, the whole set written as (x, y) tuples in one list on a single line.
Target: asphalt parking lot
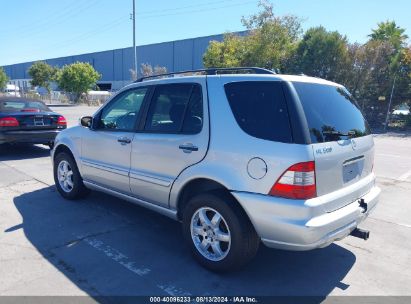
[(104, 246)]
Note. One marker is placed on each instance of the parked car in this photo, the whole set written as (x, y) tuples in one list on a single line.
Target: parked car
[(97, 96), (12, 90), (25, 120), (237, 158), (402, 110)]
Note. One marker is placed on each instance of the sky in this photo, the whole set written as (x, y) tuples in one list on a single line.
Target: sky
[(42, 29)]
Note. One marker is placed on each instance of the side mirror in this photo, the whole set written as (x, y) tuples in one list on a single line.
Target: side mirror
[(86, 121)]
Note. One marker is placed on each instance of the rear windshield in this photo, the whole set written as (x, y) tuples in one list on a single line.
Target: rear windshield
[(260, 109), (23, 106), (332, 114)]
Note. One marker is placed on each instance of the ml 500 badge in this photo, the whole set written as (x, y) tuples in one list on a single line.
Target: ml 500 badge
[(324, 150)]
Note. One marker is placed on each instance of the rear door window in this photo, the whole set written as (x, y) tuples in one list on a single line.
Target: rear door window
[(176, 108), (332, 114), (260, 109)]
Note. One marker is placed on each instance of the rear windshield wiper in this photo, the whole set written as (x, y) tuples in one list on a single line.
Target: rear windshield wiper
[(337, 133)]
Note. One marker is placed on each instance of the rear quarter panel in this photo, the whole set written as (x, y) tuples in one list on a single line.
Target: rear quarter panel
[(231, 149)]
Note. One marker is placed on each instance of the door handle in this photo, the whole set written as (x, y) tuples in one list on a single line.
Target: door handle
[(124, 140), (188, 148)]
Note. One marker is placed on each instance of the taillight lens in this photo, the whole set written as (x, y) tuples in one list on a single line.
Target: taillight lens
[(61, 121), (9, 122), (297, 182)]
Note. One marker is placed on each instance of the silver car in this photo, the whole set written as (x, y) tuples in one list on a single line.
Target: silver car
[(239, 156)]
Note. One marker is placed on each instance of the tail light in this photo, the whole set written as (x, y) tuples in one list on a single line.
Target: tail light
[(297, 182), (61, 121), (9, 122)]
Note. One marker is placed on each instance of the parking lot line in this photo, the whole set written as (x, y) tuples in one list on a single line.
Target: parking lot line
[(392, 155), (125, 261), (117, 256)]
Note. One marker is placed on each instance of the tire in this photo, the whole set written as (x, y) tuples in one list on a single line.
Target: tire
[(74, 188), (243, 240)]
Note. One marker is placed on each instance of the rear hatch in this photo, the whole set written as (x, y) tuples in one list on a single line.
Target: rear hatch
[(342, 145)]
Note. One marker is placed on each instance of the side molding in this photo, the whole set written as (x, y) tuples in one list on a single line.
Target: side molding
[(164, 211)]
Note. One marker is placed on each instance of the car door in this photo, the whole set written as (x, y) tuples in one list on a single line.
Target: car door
[(106, 147), (173, 137)]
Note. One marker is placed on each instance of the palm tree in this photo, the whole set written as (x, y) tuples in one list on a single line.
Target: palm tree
[(390, 32)]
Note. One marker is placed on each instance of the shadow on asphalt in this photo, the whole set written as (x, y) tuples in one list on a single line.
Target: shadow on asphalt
[(22, 151), (112, 248)]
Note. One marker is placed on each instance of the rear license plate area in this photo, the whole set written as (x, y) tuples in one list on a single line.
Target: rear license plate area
[(38, 121), (351, 172)]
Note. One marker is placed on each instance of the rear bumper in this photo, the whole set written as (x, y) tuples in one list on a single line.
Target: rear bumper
[(34, 137), (301, 225)]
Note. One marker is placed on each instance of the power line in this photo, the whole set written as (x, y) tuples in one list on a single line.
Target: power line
[(182, 7), (70, 11), (30, 25), (198, 10), (120, 21), (117, 22), (86, 35), (35, 28), (62, 18)]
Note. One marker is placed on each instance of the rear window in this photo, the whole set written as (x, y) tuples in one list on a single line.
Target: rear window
[(23, 106), (260, 109), (332, 114)]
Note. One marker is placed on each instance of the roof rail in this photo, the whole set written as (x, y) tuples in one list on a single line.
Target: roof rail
[(210, 71)]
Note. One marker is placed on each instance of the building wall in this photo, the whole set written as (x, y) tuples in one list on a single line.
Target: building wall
[(114, 65)]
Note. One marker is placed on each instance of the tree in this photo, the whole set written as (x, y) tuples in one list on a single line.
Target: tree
[(371, 77), (147, 70), (272, 44), (266, 15), (388, 31), (225, 54), (42, 74), (370, 70), (406, 62), (403, 77), (322, 54), (77, 78), (133, 74), (3, 79), (269, 43)]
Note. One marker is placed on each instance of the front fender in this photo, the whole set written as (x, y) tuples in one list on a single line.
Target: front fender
[(71, 139)]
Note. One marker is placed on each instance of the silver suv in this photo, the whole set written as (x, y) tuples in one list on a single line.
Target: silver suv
[(239, 156)]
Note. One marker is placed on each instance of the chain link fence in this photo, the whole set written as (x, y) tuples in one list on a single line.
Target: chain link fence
[(94, 98)]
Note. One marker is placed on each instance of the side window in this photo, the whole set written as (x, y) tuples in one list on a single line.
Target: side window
[(193, 120), (121, 114), (260, 109), (175, 108)]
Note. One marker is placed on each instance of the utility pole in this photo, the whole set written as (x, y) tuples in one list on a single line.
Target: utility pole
[(134, 38), (389, 104)]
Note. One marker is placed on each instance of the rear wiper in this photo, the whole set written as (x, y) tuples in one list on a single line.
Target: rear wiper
[(337, 133)]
